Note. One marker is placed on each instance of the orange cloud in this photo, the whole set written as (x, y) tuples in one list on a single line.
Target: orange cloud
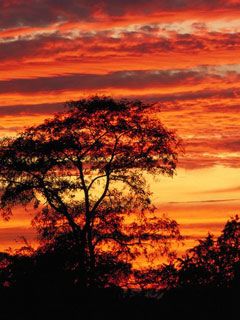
[(184, 56)]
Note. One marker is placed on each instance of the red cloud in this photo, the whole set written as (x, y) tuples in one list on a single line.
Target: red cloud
[(45, 12)]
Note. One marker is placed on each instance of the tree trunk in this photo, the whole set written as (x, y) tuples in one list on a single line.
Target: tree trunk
[(92, 258), (82, 267), (81, 246)]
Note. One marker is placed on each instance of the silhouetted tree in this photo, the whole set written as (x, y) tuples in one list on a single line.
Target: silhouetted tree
[(214, 262), (228, 247), (84, 171), (197, 268)]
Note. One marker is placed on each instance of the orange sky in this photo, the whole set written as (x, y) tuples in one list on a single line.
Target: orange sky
[(183, 55)]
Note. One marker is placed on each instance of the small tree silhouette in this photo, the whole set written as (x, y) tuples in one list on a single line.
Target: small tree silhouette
[(214, 262), (84, 171)]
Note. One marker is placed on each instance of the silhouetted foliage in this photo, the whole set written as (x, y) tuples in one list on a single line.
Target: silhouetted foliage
[(214, 262), (84, 172), (205, 281), (38, 284), (156, 278)]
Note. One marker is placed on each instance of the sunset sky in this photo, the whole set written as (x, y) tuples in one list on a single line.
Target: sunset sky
[(182, 54)]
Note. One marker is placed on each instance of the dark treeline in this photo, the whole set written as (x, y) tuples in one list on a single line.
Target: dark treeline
[(84, 175), (206, 280)]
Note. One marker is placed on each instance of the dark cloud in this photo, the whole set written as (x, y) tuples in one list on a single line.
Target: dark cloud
[(233, 108), (201, 94), (202, 225), (16, 50), (204, 201), (14, 13), (41, 13), (120, 79), (193, 163), (19, 110), (222, 143), (15, 234), (86, 45)]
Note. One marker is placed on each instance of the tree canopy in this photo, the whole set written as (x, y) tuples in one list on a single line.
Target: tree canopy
[(213, 263), (84, 171)]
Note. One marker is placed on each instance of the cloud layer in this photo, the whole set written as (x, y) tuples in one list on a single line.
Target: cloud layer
[(18, 13), (183, 56)]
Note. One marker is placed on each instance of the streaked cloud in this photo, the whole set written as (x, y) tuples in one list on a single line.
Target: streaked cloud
[(182, 56)]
